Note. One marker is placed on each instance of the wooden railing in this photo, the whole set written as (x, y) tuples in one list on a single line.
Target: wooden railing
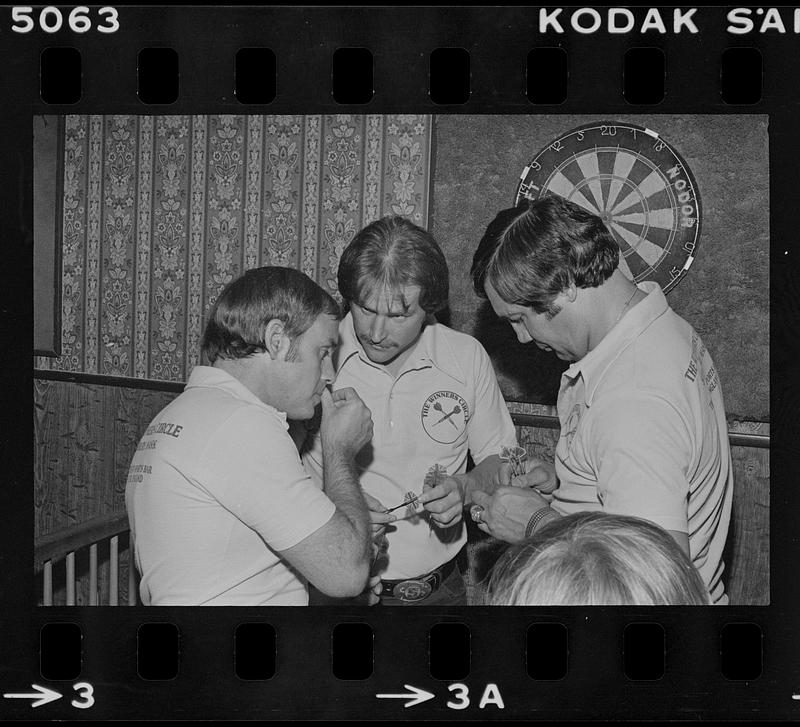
[(52, 549)]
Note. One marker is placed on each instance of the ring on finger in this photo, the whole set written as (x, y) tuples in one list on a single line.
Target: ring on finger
[(475, 512)]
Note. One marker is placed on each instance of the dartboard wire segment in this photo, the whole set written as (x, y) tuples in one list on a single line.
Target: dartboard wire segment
[(636, 183)]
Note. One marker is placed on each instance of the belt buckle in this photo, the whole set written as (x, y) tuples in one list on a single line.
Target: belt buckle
[(413, 589)]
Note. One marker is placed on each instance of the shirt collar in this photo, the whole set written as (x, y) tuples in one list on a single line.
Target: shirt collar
[(432, 349), (436, 346), (593, 366), (213, 377), (348, 343)]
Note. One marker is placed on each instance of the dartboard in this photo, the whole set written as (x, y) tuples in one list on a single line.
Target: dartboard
[(637, 183)]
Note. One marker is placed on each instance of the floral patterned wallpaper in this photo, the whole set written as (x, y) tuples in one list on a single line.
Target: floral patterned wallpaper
[(160, 212)]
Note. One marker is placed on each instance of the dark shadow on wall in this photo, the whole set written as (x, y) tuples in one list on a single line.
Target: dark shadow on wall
[(525, 372), (445, 316)]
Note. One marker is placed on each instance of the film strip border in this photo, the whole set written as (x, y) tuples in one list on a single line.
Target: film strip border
[(587, 664), (449, 80), (253, 651), (446, 59)]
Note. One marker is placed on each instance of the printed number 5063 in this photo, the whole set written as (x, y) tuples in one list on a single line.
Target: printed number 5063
[(51, 19)]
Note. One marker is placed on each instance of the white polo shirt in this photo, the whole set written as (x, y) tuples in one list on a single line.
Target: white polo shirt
[(444, 403), (215, 489), (643, 433)]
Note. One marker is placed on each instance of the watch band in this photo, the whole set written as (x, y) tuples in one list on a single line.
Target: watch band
[(537, 518)]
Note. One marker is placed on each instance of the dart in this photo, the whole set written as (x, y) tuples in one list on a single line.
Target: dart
[(411, 500), (516, 457)]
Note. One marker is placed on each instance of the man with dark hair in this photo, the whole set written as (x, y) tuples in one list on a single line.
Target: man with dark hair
[(643, 429), (434, 399), (220, 507)]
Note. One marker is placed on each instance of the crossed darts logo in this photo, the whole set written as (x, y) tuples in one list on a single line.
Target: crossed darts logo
[(444, 416)]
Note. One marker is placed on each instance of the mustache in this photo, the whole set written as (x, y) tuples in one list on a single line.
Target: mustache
[(383, 344)]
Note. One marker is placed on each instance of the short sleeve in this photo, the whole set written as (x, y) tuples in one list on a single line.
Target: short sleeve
[(262, 480), (312, 457), (641, 458), (490, 426)]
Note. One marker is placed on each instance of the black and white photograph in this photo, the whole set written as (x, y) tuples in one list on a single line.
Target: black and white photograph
[(467, 333), (402, 359)]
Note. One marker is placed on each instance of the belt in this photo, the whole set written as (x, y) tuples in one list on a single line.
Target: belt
[(419, 588)]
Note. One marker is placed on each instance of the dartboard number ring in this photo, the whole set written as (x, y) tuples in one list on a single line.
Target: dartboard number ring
[(637, 183)]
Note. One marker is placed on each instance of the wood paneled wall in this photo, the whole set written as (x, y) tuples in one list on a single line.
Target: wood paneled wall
[(747, 551), (84, 439), (85, 436)]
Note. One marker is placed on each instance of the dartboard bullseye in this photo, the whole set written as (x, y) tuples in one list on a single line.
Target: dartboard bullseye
[(637, 183)]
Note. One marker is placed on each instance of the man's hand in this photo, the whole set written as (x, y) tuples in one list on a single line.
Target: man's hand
[(372, 593), (539, 475), (346, 422), (506, 512), (445, 502), (378, 516)]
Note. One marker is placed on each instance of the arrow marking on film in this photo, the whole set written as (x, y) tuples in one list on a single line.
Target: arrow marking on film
[(417, 696), (42, 695)]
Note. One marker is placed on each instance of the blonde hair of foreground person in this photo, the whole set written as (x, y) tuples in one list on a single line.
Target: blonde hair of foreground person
[(596, 559)]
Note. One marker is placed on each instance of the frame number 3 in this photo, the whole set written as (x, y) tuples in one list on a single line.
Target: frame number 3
[(85, 692)]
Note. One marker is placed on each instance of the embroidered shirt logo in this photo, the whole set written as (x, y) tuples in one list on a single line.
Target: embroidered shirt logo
[(571, 424), (444, 416)]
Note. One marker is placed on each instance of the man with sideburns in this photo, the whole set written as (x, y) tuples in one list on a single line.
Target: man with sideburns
[(434, 399), (643, 428), (221, 509)]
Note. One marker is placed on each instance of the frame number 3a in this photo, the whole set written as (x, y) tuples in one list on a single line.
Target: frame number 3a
[(491, 695)]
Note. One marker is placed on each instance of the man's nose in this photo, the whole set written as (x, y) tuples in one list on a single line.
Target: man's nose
[(328, 372), (377, 330)]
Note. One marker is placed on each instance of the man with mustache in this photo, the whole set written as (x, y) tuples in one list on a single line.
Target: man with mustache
[(434, 399)]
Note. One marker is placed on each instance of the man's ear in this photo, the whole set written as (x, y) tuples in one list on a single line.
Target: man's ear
[(275, 339), (571, 291)]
